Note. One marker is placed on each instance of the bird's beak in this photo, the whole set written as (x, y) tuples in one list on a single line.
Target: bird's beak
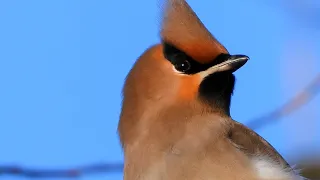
[(231, 64)]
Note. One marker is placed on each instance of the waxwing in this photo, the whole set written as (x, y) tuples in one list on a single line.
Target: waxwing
[(175, 122)]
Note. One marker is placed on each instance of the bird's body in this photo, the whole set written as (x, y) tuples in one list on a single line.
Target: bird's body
[(175, 122), (202, 145)]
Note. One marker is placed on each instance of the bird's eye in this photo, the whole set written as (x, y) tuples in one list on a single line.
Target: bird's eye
[(182, 64)]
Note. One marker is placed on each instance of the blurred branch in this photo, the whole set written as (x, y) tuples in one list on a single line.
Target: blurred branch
[(294, 104), (62, 173)]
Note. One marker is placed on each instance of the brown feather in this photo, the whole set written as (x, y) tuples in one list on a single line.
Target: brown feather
[(182, 28), (253, 145)]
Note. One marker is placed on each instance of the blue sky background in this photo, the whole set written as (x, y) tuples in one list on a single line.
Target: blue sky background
[(62, 66)]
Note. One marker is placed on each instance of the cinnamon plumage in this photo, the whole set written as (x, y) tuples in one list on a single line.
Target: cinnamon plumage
[(175, 121)]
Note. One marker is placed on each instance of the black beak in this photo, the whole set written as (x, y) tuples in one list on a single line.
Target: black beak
[(230, 64), (234, 62)]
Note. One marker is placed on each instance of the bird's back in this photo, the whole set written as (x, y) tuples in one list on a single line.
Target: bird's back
[(267, 162)]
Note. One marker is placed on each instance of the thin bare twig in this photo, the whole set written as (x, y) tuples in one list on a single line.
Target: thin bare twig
[(294, 104), (61, 173)]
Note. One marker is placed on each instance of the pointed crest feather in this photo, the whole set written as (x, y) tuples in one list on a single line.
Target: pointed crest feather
[(182, 28)]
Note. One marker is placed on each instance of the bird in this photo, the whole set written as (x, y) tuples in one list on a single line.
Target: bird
[(175, 121)]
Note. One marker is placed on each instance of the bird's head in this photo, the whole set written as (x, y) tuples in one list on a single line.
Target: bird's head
[(189, 66)]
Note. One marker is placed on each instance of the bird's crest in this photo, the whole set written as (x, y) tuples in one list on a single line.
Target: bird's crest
[(182, 28)]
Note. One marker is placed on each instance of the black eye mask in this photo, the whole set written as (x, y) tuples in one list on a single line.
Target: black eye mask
[(185, 64)]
